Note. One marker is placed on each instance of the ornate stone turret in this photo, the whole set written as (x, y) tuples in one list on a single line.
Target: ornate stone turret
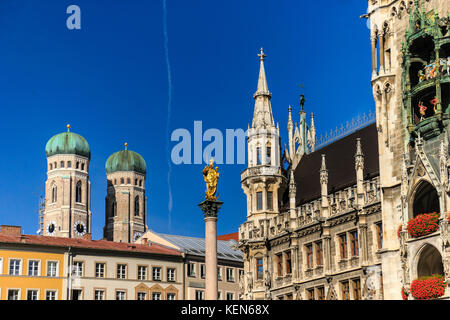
[(262, 181), (301, 139)]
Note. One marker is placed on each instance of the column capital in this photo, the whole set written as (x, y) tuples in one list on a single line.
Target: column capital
[(210, 208)]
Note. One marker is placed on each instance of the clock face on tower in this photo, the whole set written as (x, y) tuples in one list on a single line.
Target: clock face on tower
[(136, 236), (79, 228), (51, 227)]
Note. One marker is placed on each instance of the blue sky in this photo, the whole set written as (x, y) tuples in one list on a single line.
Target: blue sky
[(109, 80)]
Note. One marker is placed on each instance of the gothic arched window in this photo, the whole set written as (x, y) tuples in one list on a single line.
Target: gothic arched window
[(78, 192), (54, 194), (136, 206)]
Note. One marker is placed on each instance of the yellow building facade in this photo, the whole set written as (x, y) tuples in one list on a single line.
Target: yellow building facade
[(31, 273)]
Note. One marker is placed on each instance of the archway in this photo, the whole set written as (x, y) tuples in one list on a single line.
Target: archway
[(426, 199), (430, 262)]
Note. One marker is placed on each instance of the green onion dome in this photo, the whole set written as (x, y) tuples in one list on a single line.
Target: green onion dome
[(125, 160), (67, 143)]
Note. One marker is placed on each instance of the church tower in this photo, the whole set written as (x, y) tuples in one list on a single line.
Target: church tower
[(67, 189), (263, 181), (410, 79), (125, 202)]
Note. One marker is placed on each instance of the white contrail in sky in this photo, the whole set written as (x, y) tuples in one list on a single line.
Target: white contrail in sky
[(169, 105)]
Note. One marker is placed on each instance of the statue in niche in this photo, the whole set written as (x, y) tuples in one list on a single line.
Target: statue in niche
[(421, 76), (422, 110)]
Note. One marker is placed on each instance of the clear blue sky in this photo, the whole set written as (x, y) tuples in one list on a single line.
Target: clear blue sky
[(109, 80)]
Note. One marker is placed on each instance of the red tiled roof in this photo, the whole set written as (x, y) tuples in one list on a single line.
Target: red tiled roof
[(230, 236), (88, 244)]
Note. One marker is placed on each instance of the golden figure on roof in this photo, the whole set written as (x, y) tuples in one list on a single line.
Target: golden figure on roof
[(211, 176)]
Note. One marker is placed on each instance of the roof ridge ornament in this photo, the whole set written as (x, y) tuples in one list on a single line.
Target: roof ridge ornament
[(126, 145), (68, 127)]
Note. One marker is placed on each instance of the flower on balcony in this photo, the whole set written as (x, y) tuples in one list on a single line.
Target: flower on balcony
[(431, 287), (404, 294), (423, 224), (398, 231)]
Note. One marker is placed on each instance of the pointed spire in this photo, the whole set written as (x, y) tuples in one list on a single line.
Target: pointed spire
[(262, 88), (359, 156), (292, 185), (323, 172), (262, 116), (312, 136)]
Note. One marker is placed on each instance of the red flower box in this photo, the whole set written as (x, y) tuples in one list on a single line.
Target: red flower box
[(426, 288), (423, 224)]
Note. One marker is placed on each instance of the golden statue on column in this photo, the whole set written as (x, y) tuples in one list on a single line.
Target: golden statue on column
[(211, 176)]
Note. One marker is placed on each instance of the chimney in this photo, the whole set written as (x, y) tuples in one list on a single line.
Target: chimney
[(10, 230)]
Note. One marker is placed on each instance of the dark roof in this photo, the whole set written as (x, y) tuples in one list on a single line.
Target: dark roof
[(340, 162), (88, 244)]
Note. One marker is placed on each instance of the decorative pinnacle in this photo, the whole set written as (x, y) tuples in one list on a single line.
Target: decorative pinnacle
[(324, 166), (261, 55), (126, 145), (68, 127)]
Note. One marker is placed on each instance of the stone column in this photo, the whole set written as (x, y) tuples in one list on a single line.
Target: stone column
[(381, 36), (210, 209), (374, 54)]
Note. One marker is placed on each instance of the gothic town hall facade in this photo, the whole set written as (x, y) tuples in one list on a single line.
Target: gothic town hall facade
[(343, 221)]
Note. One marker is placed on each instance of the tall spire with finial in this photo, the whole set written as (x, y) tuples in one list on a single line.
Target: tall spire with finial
[(262, 117)]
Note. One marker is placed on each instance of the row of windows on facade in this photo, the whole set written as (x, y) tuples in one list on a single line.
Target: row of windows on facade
[(349, 290), (136, 207), (316, 249), (99, 294), (121, 272), (191, 272), (200, 295), (259, 200), (32, 294), (63, 164), (78, 193), (15, 269), (137, 182), (34, 268)]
